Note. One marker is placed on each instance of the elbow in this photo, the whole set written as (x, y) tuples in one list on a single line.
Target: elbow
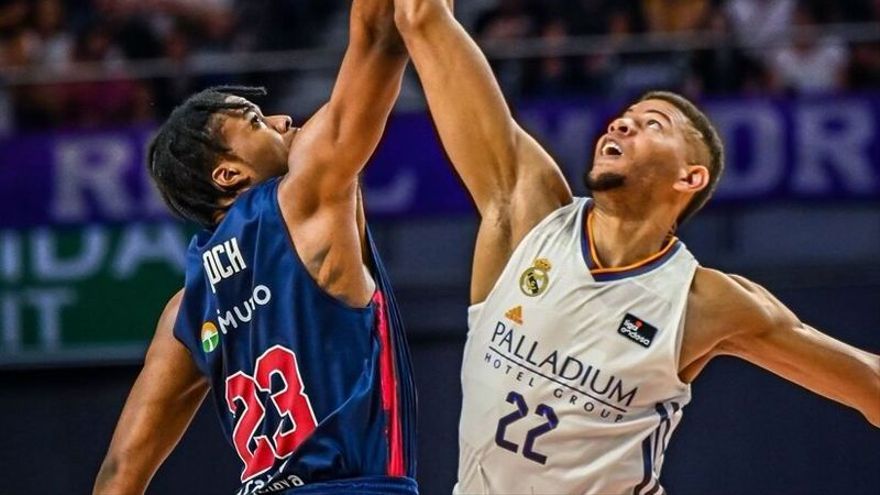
[(413, 17), (872, 412), (872, 409), (874, 419)]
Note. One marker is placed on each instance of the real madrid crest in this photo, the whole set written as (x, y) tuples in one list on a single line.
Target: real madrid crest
[(533, 282)]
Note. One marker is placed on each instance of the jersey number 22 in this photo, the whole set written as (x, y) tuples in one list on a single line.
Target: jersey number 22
[(522, 409)]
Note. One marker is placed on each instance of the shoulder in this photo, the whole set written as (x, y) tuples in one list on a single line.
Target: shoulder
[(165, 346), (169, 314), (729, 305)]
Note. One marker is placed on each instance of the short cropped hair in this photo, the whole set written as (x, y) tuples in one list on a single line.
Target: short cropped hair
[(710, 139), (188, 147)]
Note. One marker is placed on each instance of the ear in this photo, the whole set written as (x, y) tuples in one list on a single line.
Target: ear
[(230, 176), (692, 179)]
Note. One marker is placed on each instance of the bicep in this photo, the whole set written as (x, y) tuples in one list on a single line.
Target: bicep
[(366, 89), (335, 144)]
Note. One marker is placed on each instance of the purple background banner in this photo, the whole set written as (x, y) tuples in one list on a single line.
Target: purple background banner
[(75, 178), (817, 149)]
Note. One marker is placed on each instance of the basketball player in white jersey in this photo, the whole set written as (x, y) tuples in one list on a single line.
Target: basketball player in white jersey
[(589, 319)]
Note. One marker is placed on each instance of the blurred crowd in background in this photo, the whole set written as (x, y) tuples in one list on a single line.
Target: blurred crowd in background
[(57, 36), (606, 48)]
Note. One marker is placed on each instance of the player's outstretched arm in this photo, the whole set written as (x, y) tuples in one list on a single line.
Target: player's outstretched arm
[(490, 151), (514, 182), (761, 330), (334, 145), (317, 197), (161, 405)]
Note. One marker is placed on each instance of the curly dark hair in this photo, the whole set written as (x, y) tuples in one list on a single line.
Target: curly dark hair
[(187, 148)]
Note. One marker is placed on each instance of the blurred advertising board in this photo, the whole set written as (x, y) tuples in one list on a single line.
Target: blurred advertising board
[(88, 255)]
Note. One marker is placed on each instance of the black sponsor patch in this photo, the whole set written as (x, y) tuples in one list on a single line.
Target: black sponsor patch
[(637, 330)]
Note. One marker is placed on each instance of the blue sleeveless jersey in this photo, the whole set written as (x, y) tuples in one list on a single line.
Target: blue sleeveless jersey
[(315, 396)]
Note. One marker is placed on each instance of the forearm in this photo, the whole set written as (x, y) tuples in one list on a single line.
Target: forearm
[(473, 119), (817, 362), (417, 13), (162, 402), (372, 27), (342, 136), (132, 457), (848, 374), (335, 144), (857, 383), (144, 437), (761, 330)]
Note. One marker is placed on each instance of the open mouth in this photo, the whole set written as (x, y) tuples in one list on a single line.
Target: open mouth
[(610, 148)]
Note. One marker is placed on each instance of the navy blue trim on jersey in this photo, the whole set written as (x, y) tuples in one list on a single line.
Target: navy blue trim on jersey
[(650, 454), (653, 489), (647, 465), (585, 233), (374, 485), (661, 433), (653, 265), (663, 443)]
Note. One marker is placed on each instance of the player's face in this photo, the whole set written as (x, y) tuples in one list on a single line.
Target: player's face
[(646, 147), (260, 144)]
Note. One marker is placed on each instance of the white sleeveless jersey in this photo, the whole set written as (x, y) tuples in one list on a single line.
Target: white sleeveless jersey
[(570, 370)]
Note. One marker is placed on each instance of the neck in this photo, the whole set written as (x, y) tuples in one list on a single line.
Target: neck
[(624, 236)]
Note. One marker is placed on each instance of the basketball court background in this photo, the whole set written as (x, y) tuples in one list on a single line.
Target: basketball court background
[(88, 257)]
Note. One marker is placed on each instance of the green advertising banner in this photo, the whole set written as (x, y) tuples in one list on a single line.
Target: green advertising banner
[(92, 292)]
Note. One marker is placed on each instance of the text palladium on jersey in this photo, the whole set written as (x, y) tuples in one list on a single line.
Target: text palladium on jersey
[(568, 371)]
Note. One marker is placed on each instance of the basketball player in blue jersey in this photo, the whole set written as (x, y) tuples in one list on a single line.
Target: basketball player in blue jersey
[(589, 319), (287, 316)]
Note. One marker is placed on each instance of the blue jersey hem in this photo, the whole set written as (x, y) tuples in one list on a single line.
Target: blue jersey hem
[(368, 485)]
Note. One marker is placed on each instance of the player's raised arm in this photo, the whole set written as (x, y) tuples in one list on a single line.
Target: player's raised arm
[(514, 182), (161, 405), (333, 146), (494, 156), (766, 333), (318, 195)]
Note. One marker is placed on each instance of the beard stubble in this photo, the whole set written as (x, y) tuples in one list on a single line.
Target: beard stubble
[(605, 181)]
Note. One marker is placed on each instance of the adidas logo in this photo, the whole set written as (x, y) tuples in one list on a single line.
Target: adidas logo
[(515, 315)]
